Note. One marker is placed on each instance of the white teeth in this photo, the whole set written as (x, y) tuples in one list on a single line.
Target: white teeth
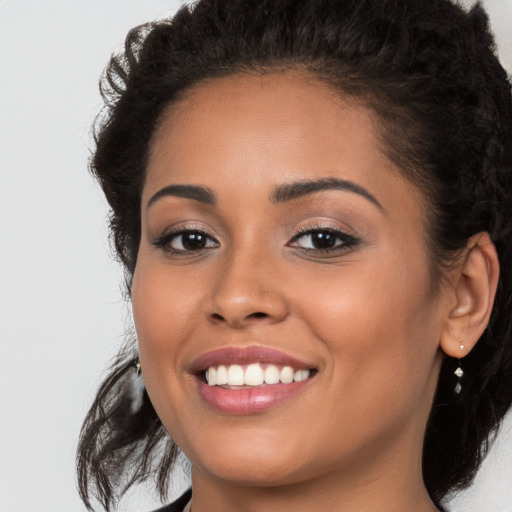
[(236, 375), (210, 376), (222, 376), (271, 374), (300, 375), (253, 375), (286, 375)]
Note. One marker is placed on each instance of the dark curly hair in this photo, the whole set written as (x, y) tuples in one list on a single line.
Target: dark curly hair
[(428, 70)]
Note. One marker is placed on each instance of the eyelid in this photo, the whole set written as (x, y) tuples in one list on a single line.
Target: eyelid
[(322, 225), (183, 226)]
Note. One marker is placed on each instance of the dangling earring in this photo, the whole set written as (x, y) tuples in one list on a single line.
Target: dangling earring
[(459, 372), (136, 387), (136, 365)]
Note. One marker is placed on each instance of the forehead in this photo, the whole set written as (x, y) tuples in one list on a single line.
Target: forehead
[(242, 132), (292, 107)]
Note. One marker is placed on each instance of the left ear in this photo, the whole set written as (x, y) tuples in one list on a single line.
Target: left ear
[(475, 282)]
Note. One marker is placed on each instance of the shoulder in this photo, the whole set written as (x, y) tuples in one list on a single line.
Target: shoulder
[(179, 504)]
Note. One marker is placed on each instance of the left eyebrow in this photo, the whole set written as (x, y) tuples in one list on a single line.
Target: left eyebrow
[(297, 189)]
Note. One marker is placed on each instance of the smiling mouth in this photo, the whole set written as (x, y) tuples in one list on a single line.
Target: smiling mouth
[(235, 376), (250, 380)]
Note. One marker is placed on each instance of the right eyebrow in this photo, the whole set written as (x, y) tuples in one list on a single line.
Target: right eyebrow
[(195, 192)]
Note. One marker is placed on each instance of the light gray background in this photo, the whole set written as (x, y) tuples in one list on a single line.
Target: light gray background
[(61, 307)]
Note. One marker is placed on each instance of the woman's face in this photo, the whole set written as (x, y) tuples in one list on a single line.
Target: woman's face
[(277, 242)]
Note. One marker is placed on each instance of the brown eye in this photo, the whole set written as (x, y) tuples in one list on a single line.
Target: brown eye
[(193, 241), (185, 241), (323, 240)]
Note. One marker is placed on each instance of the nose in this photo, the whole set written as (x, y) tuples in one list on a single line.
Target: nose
[(245, 292)]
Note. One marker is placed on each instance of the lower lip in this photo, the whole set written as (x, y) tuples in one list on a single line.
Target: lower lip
[(249, 400)]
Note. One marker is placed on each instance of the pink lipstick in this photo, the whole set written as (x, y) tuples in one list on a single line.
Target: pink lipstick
[(249, 380)]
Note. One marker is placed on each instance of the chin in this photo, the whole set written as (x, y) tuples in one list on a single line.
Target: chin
[(253, 463)]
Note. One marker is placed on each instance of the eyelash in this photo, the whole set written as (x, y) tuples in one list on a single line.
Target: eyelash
[(164, 241), (347, 241)]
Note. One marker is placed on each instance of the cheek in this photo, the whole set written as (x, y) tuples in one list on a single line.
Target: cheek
[(164, 310), (163, 301), (377, 325)]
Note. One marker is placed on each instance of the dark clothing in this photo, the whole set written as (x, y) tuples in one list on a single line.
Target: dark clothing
[(181, 503), (178, 505)]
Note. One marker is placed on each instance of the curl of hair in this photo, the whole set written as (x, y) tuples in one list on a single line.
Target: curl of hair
[(122, 445), (428, 70)]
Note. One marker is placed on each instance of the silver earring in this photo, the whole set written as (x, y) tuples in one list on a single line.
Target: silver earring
[(136, 387), (136, 365), (459, 372)]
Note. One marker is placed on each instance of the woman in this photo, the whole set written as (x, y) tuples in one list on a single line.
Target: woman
[(311, 201)]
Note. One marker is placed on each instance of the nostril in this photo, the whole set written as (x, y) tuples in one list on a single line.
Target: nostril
[(258, 315), (236, 320)]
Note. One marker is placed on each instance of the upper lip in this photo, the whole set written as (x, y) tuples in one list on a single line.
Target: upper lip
[(246, 355)]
